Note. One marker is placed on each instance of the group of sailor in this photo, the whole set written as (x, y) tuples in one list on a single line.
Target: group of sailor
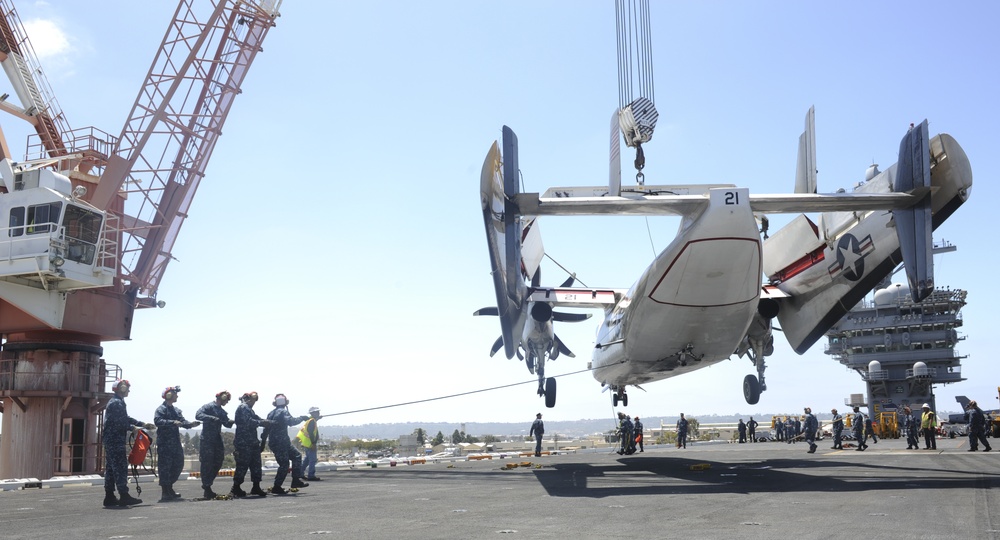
[(168, 420)]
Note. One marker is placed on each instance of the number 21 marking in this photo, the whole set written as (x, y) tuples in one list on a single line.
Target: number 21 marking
[(732, 197)]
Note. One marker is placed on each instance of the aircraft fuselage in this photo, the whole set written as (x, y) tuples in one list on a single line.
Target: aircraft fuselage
[(692, 306)]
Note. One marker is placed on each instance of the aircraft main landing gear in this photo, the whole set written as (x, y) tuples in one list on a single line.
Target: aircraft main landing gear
[(751, 389), (550, 392), (619, 395)]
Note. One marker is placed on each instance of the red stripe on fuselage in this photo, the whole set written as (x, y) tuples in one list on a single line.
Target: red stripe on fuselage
[(806, 262), (652, 291)]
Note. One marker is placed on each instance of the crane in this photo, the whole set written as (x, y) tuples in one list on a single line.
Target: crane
[(88, 221)]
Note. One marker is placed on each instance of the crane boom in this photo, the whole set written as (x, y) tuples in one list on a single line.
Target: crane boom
[(39, 106), (175, 122), (88, 223)]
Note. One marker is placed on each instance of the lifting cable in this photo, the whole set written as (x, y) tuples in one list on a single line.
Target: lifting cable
[(532, 381), (635, 57)]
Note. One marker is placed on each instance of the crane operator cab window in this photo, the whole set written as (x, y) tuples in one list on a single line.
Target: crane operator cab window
[(83, 229), (39, 218), (78, 231)]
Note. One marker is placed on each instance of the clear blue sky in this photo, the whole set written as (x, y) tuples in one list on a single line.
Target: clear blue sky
[(335, 250)]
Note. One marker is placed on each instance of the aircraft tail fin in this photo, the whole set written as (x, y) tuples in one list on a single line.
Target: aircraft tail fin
[(805, 166), (615, 158), (913, 224), (498, 190)]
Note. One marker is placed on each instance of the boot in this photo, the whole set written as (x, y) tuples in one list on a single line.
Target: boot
[(167, 494), (278, 490), (237, 491), (209, 494), (174, 494), (257, 491), (110, 500), (298, 483), (128, 500)]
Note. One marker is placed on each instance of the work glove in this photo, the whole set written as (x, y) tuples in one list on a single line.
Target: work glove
[(303, 418)]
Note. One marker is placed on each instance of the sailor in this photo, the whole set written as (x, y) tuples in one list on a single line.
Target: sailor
[(638, 429), (682, 432), (281, 446), (779, 429), (247, 446), (910, 428), (928, 426), (790, 434), (537, 430), (977, 428), (169, 450), (625, 430), (742, 429), (810, 426), (211, 451), (838, 430), (870, 429), (309, 437), (858, 426), (752, 429), (117, 424)]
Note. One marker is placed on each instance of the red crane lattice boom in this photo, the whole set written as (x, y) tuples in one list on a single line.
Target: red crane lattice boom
[(173, 127)]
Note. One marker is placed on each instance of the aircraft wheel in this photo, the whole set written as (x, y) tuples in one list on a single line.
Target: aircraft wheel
[(751, 389), (614, 399), (550, 392), (624, 400)]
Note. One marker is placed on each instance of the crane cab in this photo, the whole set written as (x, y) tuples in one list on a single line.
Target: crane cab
[(49, 238)]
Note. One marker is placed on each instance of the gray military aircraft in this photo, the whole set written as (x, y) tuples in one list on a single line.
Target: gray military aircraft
[(716, 289)]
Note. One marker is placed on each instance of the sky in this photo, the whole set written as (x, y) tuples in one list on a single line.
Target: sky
[(335, 249)]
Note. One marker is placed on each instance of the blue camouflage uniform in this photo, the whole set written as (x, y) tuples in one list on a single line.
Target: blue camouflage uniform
[(247, 445), (117, 424), (977, 428), (169, 450), (281, 445), (211, 451), (910, 426), (809, 428), (858, 426), (838, 430)]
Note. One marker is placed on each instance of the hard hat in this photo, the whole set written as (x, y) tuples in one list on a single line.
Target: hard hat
[(926, 406), (313, 409), (280, 400), (972, 403), (170, 390)]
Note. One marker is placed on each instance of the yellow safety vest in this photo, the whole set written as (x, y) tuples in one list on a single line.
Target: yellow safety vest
[(304, 436)]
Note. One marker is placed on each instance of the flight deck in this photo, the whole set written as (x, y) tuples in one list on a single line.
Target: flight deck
[(709, 490)]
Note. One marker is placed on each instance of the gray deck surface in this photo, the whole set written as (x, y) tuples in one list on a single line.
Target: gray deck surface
[(764, 490)]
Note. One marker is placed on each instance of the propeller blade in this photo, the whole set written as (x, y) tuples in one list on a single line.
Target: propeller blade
[(563, 348), (487, 311), (569, 281), (496, 346), (570, 317)]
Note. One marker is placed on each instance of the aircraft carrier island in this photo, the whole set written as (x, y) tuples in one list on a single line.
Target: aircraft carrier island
[(900, 348)]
